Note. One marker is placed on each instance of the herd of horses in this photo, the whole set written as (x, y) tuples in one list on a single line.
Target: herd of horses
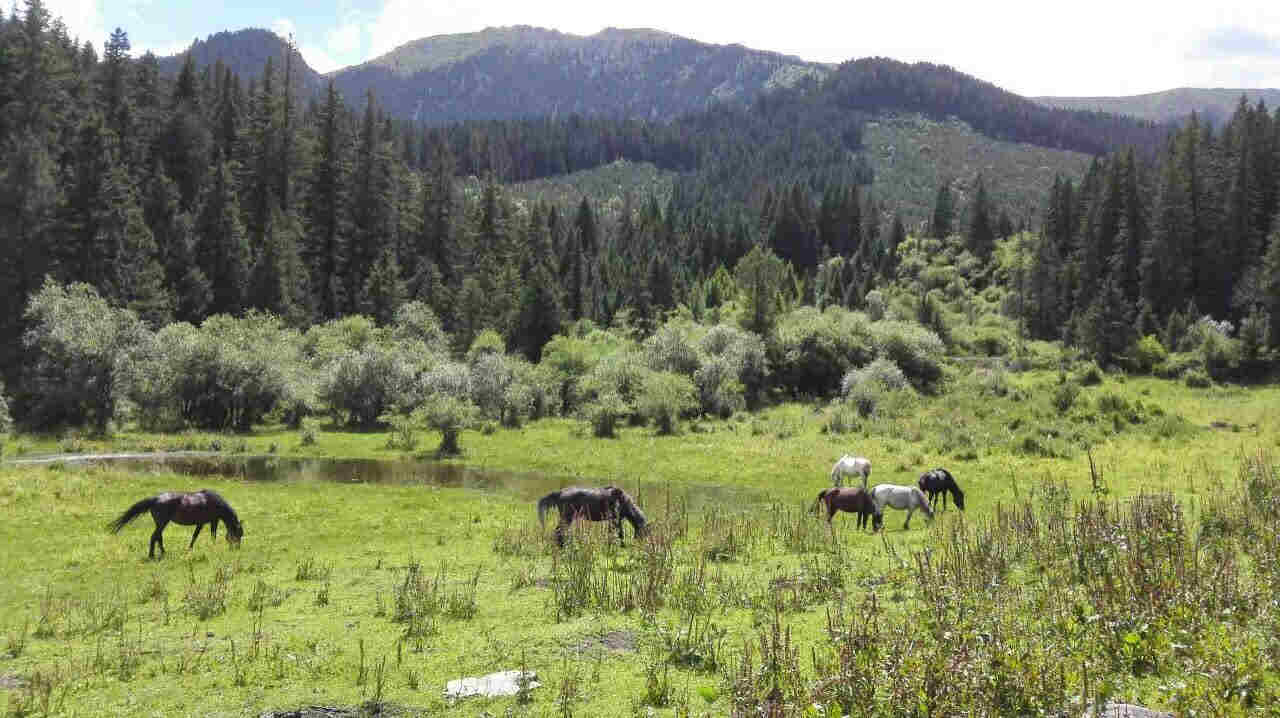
[(608, 503)]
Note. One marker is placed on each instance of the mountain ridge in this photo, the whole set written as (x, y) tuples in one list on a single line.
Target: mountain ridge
[(1213, 105)]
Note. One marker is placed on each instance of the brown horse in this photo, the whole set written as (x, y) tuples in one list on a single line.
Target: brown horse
[(855, 500), (606, 504), (202, 507)]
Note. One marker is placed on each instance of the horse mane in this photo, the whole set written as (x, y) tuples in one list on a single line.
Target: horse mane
[(629, 510), (546, 502), (924, 501), (229, 516)]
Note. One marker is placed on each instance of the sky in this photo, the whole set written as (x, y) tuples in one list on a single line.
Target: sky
[(1082, 48)]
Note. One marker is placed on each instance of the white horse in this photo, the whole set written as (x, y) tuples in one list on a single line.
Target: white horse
[(851, 466), (903, 498)]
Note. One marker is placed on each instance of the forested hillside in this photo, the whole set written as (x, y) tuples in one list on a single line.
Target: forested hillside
[(244, 53), (210, 193), (1214, 105)]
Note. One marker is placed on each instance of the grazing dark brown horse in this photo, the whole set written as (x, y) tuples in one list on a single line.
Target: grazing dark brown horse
[(200, 508), (940, 482), (855, 500), (606, 504)]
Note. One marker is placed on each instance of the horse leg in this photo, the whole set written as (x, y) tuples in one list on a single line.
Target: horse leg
[(193, 536), (157, 539), (910, 511), (213, 530)]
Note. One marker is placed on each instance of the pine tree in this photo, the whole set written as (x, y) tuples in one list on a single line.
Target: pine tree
[(223, 248), (981, 234), (940, 226), (278, 283), (383, 292), (128, 253), (539, 314), (327, 249)]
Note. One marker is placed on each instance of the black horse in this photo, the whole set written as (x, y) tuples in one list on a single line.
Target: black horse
[(200, 508), (940, 482), (605, 504)]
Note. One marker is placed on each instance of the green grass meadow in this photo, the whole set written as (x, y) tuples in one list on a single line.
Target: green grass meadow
[(374, 595)]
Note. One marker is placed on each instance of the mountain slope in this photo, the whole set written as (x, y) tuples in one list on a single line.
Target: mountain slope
[(245, 52), (524, 71), (1215, 105)]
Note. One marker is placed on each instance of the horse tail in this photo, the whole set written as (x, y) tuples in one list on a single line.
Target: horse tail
[(550, 500), (132, 513), (821, 494)]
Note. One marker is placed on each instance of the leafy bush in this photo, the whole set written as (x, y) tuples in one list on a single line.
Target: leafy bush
[(992, 341), (1064, 397), (744, 358), (1197, 379), (815, 349), (1219, 353), (449, 415), (226, 374), (881, 372), (620, 374), (915, 350), (486, 343), (1148, 353), (6, 421), (664, 396), (1176, 365), (719, 391), (604, 412), (671, 350), (876, 305), (990, 381), (491, 375), (415, 321), (365, 384), (842, 418), (79, 351), (1090, 374)]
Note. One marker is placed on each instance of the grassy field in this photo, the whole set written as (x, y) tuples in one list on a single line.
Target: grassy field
[(1049, 593)]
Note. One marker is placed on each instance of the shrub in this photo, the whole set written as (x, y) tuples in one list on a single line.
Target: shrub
[(227, 374), (664, 396), (1064, 397), (990, 381), (914, 349), (744, 358), (882, 372), (1219, 354), (491, 375), (487, 342), (79, 351), (449, 415), (842, 418), (6, 422), (604, 412), (415, 321), (1090, 375), (1148, 353), (992, 341), (876, 305), (719, 391), (814, 349), (365, 384), (1197, 379), (670, 350)]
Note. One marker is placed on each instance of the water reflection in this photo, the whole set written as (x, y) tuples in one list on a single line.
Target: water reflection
[(527, 485)]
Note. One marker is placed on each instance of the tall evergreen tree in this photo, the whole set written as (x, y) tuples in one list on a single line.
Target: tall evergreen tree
[(941, 224), (224, 248), (981, 234)]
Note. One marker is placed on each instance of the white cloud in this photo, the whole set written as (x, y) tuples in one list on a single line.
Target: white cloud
[(319, 59), (345, 40), (284, 27), (84, 19)]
